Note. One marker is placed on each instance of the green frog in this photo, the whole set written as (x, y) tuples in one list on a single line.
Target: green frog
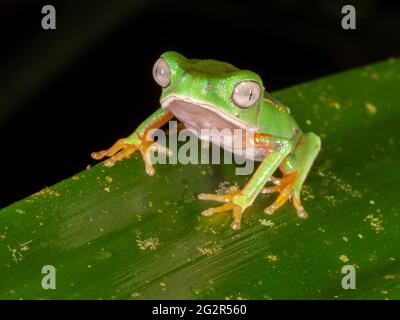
[(210, 94)]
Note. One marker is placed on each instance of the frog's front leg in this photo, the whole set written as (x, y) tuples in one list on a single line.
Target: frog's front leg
[(123, 148), (238, 200), (295, 169)]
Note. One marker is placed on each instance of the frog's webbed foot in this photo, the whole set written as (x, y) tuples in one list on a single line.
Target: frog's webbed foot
[(123, 149), (118, 151), (285, 188), (230, 204), (147, 148)]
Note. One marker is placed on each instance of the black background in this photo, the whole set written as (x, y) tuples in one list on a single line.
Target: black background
[(76, 89)]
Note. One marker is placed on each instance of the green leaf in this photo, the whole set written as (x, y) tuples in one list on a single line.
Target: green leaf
[(118, 233)]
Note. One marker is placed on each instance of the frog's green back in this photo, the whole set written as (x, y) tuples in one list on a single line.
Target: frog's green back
[(210, 67)]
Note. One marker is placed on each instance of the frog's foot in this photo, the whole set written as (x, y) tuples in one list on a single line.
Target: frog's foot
[(118, 151), (286, 188), (230, 204), (122, 149), (147, 148)]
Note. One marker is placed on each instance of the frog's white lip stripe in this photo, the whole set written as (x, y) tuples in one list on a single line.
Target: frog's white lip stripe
[(171, 98)]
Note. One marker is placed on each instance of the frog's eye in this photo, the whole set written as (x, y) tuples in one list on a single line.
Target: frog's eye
[(246, 93), (162, 73)]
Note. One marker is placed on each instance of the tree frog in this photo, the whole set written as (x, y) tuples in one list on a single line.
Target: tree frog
[(216, 95)]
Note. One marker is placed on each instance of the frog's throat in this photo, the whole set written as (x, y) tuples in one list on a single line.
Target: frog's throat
[(176, 104)]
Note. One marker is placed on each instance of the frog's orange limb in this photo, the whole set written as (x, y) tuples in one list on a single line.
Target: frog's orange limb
[(238, 200), (219, 197), (295, 169), (284, 187), (117, 146), (280, 184), (237, 210), (146, 149), (124, 153), (123, 148)]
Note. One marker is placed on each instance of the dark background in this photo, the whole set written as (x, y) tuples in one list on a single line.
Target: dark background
[(76, 89)]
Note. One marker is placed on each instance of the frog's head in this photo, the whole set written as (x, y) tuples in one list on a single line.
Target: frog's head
[(208, 94)]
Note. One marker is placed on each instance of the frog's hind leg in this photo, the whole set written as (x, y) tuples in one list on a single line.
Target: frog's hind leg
[(295, 169)]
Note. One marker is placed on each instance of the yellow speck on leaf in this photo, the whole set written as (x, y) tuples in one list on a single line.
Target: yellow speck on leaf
[(390, 276), (163, 286), (375, 76), (148, 244), (47, 191), (345, 239), (210, 248), (109, 179), (107, 189), (344, 258), (384, 291), (24, 246), (135, 295), (267, 223), (375, 222), (335, 105), (75, 178), (371, 108), (272, 258)]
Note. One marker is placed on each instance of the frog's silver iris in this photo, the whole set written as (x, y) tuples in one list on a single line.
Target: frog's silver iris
[(162, 73), (246, 93)]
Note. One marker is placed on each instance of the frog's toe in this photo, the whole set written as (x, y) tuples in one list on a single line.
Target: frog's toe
[(117, 152), (146, 149), (220, 197), (301, 213), (230, 204), (237, 212), (116, 147), (223, 208), (124, 153), (284, 195), (288, 193), (214, 197)]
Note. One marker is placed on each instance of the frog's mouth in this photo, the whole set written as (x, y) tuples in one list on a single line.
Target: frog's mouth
[(199, 115)]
